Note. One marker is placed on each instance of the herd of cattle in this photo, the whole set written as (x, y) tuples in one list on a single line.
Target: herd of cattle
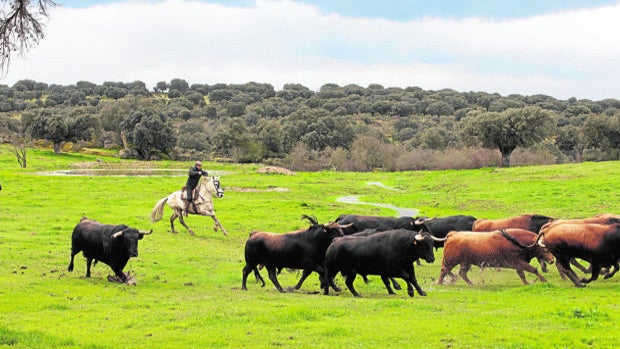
[(388, 247)]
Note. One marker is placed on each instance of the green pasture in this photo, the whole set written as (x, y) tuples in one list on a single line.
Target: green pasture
[(188, 287)]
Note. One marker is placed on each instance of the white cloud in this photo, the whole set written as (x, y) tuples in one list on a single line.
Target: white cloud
[(564, 54)]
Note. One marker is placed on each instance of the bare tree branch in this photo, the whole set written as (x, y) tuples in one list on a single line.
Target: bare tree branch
[(20, 27), (20, 149)]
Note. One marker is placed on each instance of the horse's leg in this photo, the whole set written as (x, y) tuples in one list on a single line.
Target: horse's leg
[(185, 225), (172, 218), (218, 224)]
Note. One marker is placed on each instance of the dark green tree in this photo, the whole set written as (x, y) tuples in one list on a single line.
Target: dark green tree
[(161, 86), (571, 141), (329, 131), (271, 134), (510, 129), (603, 133), (149, 132), (59, 127), (178, 85)]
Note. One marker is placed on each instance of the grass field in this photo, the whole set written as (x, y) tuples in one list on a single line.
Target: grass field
[(188, 287)]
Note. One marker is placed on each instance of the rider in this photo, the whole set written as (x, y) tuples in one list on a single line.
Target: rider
[(195, 172)]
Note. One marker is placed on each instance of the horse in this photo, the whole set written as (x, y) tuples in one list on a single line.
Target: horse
[(208, 187)]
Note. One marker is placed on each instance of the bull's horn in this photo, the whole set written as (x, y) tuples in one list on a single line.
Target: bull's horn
[(117, 234), (144, 232), (345, 226), (423, 220), (541, 242), (438, 239), (419, 237)]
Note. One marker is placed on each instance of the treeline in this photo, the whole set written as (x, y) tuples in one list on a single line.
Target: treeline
[(338, 127)]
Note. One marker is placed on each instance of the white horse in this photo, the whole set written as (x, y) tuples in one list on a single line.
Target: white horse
[(208, 187)]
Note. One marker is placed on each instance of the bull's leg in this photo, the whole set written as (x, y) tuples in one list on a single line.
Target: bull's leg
[(522, 276), (246, 271), (409, 277), (463, 272), (73, 253), (596, 271), (304, 275), (271, 270), (523, 266), (543, 265), (349, 282), (560, 271), (327, 281), (118, 271), (414, 281), (395, 284), (446, 269), (327, 277), (332, 284), (564, 267), (613, 271), (386, 282), (89, 262), (185, 225), (577, 265), (258, 277), (442, 274), (532, 269)]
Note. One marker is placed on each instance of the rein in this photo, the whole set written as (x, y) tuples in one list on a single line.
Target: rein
[(210, 199)]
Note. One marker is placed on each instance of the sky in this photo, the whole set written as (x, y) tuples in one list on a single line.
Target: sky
[(558, 48)]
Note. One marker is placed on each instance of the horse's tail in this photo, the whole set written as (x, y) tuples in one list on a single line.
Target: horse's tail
[(158, 210)]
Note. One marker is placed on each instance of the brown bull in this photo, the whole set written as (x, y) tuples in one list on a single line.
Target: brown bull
[(531, 222), (510, 248), (598, 244), (603, 218)]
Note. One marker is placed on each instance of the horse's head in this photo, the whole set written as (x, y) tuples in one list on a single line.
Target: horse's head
[(213, 186)]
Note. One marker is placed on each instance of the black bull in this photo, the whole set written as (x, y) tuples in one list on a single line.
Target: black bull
[(110, 244), (388, 254)]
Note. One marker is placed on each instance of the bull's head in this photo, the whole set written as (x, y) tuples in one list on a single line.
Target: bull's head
[(130, 239), (423, 243), (338, 227)]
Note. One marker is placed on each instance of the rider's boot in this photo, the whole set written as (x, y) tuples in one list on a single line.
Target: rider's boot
[(186, 208)]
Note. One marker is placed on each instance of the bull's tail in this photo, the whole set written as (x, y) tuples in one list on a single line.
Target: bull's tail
[(513, 240), (158, 210)]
